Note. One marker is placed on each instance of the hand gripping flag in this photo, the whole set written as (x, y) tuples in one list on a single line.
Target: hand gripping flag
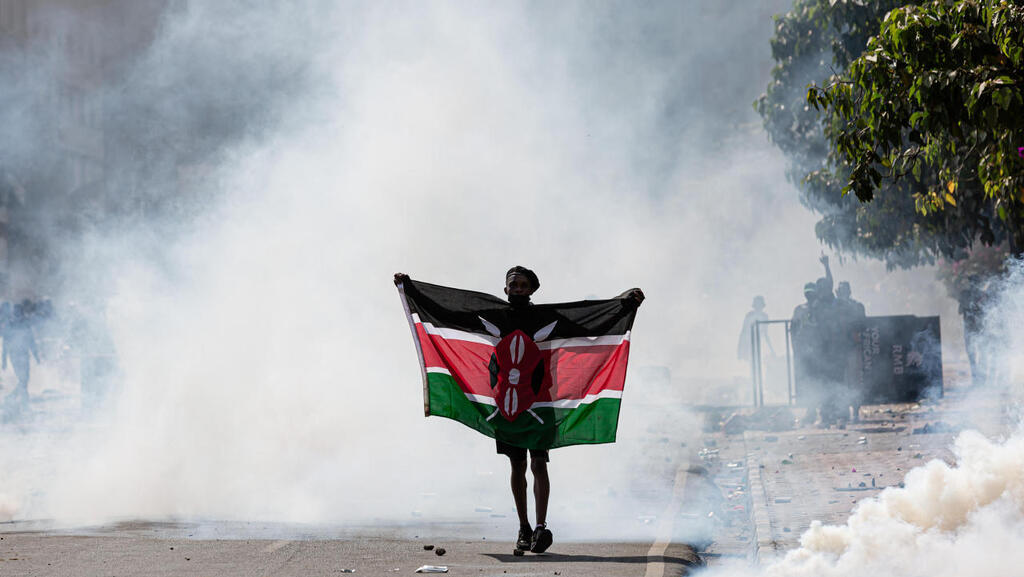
[(535, 376)]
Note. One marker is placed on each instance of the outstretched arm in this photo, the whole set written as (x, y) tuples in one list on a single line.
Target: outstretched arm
[(828, 270), (400, 277)]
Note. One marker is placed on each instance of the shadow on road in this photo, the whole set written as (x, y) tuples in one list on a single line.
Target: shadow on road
[(563, 558)]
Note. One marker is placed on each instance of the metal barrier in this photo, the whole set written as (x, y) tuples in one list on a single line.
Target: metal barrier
[(757, 370)]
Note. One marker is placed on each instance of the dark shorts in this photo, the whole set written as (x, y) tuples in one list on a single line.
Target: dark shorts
[(519, 453)]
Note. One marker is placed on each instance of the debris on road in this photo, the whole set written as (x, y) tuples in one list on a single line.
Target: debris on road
[(433, 569), (518, 552), (428, 547), (439, 551)]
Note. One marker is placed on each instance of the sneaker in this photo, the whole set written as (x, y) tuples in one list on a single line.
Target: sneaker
[(542, 539), (523, 543)]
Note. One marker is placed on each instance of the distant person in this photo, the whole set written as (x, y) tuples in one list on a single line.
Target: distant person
[(802, 313), (804, 336), (19, 343), (848, 307), (851, 316), (743, 351), (972, 309)]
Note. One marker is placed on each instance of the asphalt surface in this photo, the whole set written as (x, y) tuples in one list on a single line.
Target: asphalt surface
[(225, 549), (734, 494)]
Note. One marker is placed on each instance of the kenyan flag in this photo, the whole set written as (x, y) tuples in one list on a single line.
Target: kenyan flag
[(535, 376)]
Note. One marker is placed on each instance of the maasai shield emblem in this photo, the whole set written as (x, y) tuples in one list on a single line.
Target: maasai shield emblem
[(517, 371)]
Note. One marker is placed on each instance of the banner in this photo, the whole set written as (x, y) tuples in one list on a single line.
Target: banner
[(533, 376)]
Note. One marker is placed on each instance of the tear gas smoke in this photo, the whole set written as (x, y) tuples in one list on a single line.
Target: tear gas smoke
[(965, 518), (268, 372)]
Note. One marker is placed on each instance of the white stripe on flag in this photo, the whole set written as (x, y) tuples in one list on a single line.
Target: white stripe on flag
[(573, 403), (562, 404), (441, 370), (455, 334), (482, 399), (483, 339), (584, 342)]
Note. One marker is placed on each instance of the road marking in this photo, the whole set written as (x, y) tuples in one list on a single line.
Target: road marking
[(666, 524), (276, 545)]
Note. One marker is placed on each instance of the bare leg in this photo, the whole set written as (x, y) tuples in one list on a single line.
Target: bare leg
[(541, 488), (519, 491)]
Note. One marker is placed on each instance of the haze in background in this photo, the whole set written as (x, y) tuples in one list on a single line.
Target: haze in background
[(268, 371)]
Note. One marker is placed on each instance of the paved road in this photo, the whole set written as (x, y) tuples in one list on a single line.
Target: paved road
[(743, 495), (223, 549)]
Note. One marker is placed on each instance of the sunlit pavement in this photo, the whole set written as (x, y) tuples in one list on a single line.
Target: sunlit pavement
[(220, 549)]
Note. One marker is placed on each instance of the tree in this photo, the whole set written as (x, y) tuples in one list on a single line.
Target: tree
[(933, 110), (817, 41)]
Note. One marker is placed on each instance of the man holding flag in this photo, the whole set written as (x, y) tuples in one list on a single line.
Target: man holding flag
[(533, 377)]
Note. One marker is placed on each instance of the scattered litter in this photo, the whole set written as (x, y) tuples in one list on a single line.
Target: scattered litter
[(346, 571), (918, 455), (899, 448), (862, 441), (785, 529), (433, 569), (853, 470), (787, 462), (708, 454), (440, 550), (646, 519), (517, 552), (848, 489), (862, 484), (783, 500), (395, 570), (801, 437), (428, 547), (735, 464), (872, 481), (483, 509), (790, 455)]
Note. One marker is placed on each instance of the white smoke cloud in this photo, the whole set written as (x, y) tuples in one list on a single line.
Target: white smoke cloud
[(268, 370), (965, 519)]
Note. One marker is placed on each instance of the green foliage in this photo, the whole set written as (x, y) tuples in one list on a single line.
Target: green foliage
[(823, 41), (934, 109)]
